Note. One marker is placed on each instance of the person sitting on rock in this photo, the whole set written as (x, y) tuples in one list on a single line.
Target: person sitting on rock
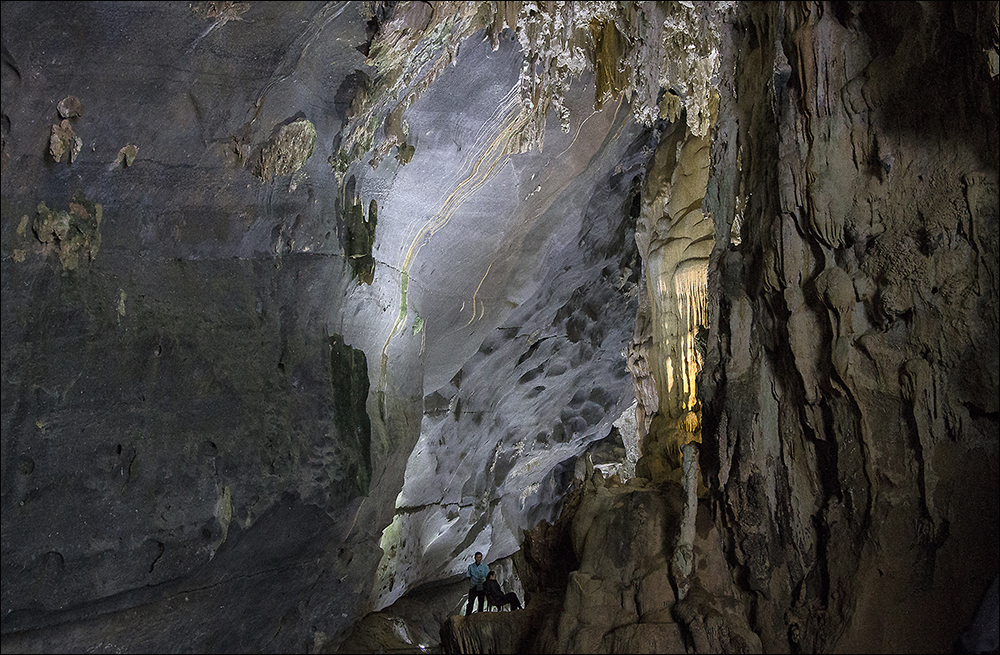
[(495, 595)]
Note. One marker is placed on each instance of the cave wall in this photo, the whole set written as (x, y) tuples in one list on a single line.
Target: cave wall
[(849, 398), (183, 436), (274, 304), (221, 318), (851, 386)]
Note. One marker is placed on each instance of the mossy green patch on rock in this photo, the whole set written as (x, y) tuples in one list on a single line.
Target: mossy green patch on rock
[(359, 237), (287, 149), (404, 153), (75, 232), (349, 372), (127, 155)]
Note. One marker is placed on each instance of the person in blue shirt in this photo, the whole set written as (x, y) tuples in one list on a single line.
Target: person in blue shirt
[(476, 573)]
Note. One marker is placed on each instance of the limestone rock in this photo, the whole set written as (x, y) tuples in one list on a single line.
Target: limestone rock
[(492, 632), (70, 107), (64, 141), (242, 416), (839, 385)]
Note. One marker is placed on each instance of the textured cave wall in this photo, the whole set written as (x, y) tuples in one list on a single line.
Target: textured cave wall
[(300, 276), (522, 351), (508, 296), (220, 327), (851, 390), (185, 444), (835, 518)]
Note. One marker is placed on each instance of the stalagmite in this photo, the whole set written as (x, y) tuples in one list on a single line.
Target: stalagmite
[(684, 552)]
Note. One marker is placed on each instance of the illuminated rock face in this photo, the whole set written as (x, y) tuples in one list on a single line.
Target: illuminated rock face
[(675, 239), (350, 293)]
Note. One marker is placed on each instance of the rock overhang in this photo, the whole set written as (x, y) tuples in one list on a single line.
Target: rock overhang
[(513, 262)]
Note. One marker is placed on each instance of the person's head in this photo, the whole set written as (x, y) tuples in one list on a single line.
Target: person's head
[(492, 575), (479, 558)]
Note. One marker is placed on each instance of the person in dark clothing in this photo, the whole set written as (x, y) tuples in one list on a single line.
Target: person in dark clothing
[(476, 573), (495, 595)]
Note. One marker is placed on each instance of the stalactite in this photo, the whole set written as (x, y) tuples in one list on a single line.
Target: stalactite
[(675, 239), (560, 41)]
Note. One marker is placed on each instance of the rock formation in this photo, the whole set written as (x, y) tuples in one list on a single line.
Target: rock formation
[(852, 363), (303, 304)]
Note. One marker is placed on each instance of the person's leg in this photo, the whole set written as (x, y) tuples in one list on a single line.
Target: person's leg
[(468, 607), (482, 600)]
